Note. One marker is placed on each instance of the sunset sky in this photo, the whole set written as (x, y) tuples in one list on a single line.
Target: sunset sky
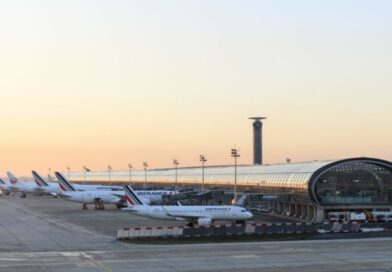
[(116, 82)]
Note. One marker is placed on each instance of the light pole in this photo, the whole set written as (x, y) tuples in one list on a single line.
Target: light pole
[(110, 172), (68, 170), (145, 165), (235, 154), (176, 163), (203, 160), (130, 172), (85, 169)]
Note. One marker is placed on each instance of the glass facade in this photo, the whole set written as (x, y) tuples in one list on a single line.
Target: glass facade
[(356, 181), (363, 183)]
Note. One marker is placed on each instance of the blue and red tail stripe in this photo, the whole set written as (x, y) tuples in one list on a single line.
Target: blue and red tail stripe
[(64, 184), (38, 179), (131, 196)]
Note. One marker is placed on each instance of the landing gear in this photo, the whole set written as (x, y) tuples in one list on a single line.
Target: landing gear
[(240, 222), (85, 206), (23, 195), (121, 205), (190, 224), (99, 204)]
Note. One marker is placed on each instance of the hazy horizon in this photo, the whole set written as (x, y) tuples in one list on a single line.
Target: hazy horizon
[(100, 83)]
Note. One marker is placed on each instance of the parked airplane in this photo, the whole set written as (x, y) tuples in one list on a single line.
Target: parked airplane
[(97, 197), (148, 196), (153, 196), (53, 188), (22, 187), (202, 215), (47, 187), (4, 187)]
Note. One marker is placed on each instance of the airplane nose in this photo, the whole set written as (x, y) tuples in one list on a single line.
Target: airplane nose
[(250, 215)]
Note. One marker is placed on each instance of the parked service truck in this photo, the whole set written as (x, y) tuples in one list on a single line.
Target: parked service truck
[(357, 216)]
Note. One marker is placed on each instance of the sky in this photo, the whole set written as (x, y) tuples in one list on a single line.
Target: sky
[(101, 83)]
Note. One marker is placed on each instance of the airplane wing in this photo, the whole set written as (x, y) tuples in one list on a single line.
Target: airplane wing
[(119, 195), (202, 193)]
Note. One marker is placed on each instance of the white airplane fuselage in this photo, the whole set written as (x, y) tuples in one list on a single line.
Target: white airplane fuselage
[(90, 197), (186, 212), (24, 187), (149, 196), (4, 187), (153, 196)]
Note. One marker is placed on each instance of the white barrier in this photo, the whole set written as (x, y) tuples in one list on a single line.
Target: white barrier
[(250, 228), (147, 232), (178, 231), (140, 232), (155, 232), (167, 231), (135, 232), (234, 229), (123, 233)]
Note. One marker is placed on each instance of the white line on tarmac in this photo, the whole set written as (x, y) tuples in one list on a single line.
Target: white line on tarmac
[(244, 256), (265, 264), (56, 221)]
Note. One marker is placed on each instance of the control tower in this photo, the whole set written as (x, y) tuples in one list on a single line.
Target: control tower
[(257, 140)]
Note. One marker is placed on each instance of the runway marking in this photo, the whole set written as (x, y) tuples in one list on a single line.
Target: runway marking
[(87, 264), (245, 256), (88, 257), (70, 254)]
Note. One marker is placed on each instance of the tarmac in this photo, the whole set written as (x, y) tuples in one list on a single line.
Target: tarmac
[(47, 234)]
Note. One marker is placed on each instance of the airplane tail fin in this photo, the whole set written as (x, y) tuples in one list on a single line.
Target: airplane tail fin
[(131, 196), (241, 201), (12, 178), (39, 180), (63, 183)]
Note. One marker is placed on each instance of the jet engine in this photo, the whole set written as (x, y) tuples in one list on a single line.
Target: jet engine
[(204, 221)]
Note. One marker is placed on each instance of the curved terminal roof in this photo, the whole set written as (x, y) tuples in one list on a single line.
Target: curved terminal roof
[(349, 181), (292, 175)]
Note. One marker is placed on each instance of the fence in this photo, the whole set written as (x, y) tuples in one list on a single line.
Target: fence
[(244, 229)]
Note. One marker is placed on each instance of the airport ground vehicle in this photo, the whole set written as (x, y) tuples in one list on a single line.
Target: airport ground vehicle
[(382, 214), (347, 217)]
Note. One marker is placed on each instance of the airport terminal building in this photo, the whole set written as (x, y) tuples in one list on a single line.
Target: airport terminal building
[(308, 190)]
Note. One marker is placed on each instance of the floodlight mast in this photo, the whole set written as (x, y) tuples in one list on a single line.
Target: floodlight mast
[(235, 154), (203, 161), (175, 163), (145, 166)]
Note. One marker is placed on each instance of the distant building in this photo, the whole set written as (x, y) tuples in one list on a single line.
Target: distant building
[(307, 190)]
